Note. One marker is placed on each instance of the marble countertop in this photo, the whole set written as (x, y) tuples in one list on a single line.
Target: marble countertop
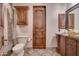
[(64, 34), (67, 35)]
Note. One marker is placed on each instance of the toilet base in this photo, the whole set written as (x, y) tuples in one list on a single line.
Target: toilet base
[(21, 53)]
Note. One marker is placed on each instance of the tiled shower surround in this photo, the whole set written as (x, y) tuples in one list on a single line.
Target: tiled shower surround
[(8, 30)]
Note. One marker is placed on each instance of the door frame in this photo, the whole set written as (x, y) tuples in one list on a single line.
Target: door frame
[(33, 26)]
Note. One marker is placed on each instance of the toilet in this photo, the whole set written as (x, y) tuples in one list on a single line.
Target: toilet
[(18, 49)]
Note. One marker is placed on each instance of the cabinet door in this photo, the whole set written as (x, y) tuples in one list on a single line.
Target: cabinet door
[(21, 15), (62, 45), (58, 43), (70, 47), (77, 48)]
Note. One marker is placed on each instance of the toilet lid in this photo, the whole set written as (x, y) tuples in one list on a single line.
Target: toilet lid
[(18, 46)]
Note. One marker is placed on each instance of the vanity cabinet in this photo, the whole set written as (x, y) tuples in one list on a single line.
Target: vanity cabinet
[(70, 47), (77, 47), (62, 45), (21, 15), (58, 43), (67, 46)]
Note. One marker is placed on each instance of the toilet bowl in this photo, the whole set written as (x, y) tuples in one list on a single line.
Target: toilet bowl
[(18, 49)]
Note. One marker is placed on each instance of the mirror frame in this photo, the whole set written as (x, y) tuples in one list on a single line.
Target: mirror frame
[(67, 13)]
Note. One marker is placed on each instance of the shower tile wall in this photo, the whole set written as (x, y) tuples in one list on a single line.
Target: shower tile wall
[(8, 37)]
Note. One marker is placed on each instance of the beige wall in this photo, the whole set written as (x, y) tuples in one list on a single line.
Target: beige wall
[(69, 5), (52, 11)]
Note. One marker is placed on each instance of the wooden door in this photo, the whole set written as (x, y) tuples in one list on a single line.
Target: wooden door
[(39, 27)]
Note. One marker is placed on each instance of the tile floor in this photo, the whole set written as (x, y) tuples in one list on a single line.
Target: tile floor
[(41, 52)]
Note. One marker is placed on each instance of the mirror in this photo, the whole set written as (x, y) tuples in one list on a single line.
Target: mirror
[(73, 21), (75, 12)]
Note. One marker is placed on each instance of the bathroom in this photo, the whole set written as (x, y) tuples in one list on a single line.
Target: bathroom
[(16, 32)]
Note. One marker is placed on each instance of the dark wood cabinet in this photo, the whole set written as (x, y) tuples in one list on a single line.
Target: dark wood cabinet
[(70, 47), (22, 15), (62, 45), (67, 46), (58, 43), (78, 48)]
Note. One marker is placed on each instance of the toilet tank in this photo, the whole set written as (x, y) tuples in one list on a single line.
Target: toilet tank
[(22, 39)]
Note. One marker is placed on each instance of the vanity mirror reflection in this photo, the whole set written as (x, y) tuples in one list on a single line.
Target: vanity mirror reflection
[(75, 23)]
